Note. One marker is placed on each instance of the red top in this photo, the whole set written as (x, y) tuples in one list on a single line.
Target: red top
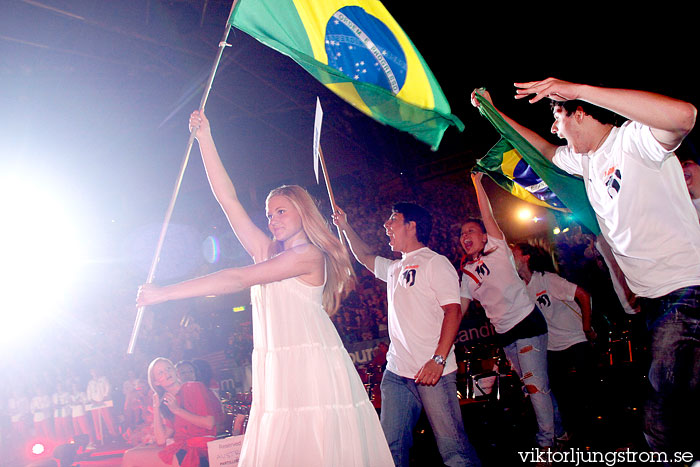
[(193, 397)]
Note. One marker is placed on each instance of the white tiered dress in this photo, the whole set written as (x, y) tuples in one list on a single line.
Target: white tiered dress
[(309, 405)]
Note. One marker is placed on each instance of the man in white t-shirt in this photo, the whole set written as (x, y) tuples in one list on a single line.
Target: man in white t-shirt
[(635, 185), (423, 319)]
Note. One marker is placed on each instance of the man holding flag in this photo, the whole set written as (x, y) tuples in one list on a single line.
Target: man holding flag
[(635, 185), (424, 315)]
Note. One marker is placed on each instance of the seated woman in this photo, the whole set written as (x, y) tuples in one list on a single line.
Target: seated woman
[(183, 421)]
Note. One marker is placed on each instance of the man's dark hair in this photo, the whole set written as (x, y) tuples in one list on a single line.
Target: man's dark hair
[(419, 215), (604, 116), (202, 371)]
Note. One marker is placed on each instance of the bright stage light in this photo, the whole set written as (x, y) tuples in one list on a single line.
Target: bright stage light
[(40, 253), (525, 214), (38, 449)]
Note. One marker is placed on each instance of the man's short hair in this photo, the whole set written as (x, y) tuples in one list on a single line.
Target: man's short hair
[(419, 215), (604, 116)]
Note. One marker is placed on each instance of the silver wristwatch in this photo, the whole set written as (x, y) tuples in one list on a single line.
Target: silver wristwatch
[(439, 360)]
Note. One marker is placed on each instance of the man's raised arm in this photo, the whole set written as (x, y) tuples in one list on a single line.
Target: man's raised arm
[(670, 119), (363, 253), (546, 148)]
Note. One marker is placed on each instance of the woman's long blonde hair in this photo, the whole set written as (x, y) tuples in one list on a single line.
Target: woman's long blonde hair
[(340, 277)]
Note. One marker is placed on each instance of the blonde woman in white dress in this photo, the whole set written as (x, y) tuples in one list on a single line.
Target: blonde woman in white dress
[(309, 405)]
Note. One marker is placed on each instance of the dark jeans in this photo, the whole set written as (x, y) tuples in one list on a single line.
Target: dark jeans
[(673, 408), (572, 379)]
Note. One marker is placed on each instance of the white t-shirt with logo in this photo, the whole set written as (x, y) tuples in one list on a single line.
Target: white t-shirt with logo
[(493, 280), (554, 296), (418, 285), (639, 195)]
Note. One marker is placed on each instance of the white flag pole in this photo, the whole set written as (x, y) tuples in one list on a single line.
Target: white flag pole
[(330, 191)]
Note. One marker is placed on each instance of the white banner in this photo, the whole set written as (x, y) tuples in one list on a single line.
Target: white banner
[(318, 122), (225, 452)]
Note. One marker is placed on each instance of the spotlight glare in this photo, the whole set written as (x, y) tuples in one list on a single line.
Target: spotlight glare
[(525, 214), (41, 254), (38, 449)]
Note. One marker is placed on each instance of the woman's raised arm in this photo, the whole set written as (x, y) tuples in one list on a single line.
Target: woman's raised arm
[(492, 228), (254, 240)]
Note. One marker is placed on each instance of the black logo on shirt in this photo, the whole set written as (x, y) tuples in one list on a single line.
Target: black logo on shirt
[(482, 270), (544, 300), (409, 277), (614, 182)]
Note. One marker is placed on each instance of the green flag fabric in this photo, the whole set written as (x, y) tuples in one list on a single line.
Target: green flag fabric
[(508, 169), (358, 51), (515, 165)]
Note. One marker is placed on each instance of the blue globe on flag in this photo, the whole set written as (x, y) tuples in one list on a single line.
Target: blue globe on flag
[(363, 48), (524, 176)]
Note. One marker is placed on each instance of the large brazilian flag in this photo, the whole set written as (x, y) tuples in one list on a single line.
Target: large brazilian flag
[(515, 165), (358, 51)]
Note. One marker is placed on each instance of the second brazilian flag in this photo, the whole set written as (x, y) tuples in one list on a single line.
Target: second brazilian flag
[(357, 50), (510, 171), (517, 166)]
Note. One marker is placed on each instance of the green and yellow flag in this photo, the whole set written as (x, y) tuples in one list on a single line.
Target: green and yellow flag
[(358, 51), (508, 169), (515, 165)]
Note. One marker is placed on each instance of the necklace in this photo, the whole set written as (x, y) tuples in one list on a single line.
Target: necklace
[(605, 135)]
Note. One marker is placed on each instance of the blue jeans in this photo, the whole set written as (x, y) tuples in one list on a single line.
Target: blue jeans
[(402, 401), (529, 359), (673, 405)]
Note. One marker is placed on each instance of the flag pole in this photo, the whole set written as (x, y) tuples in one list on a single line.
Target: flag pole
[(330, 190), (178, 182)]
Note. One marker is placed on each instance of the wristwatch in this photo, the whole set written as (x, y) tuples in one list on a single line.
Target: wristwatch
[(439, 360)]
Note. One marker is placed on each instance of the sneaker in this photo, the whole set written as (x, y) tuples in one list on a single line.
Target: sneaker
[(561, 441), (90, 447)]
